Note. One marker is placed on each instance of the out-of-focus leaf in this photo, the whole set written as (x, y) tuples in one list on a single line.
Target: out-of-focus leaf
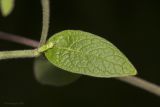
[(47, 73), (6, 6)]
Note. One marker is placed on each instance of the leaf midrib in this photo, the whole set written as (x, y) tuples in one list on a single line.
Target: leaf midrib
[(69, 49)]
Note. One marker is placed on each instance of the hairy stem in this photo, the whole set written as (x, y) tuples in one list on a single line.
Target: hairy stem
[(132, 80), (45, 21), (18, 39), (18, 54), (141, 83)]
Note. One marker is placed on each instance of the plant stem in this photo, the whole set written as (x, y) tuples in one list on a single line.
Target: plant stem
[(18, 39), (18, 54), (135, 81), (143, 84), (45, 21)]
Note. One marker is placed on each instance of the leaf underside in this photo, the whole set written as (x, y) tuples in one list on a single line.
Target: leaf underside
[(85, 53)]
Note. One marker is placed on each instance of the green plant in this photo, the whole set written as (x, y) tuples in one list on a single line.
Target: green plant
[(75, 51)]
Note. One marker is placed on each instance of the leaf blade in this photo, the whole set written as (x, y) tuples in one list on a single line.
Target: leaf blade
[(85, 53)]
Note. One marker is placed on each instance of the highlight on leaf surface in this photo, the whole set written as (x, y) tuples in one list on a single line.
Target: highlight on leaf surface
[(46, 73), (6, 6), (88, 54)]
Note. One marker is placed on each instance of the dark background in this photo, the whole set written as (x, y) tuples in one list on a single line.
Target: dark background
[(132, 25)]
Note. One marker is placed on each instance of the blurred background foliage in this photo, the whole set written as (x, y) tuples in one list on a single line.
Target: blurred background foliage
[(132, 25)]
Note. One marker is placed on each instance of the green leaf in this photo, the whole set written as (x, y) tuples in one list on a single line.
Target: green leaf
[(6, 6), (85, 53), (48, 74)]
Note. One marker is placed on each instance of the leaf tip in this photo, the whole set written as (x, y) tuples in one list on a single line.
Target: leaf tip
[(134, 72)]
